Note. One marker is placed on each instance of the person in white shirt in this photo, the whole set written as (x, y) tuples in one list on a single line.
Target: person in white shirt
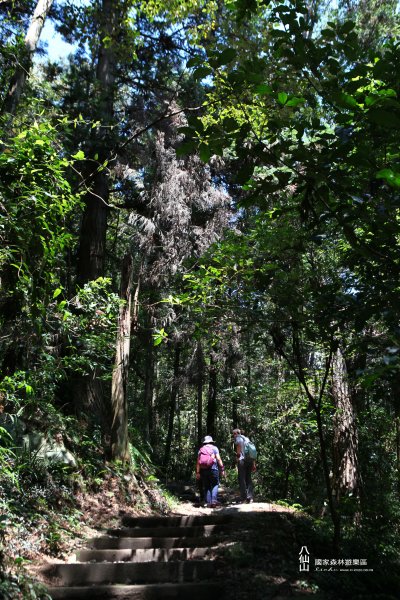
[(245, 467)]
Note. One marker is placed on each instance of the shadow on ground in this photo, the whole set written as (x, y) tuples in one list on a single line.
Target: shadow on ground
[(260, 557)]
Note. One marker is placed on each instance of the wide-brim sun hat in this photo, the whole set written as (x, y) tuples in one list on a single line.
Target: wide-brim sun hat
[(208, 439)]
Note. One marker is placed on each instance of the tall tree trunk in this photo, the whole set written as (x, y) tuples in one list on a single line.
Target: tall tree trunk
[(92, 241), (25, 61), (91, 253), (92, 244), (232, 369), (236, 401), (149, 377), (199, 386), (119, 400), (212, 395), (172, 405), (397, 426), (345, 441)]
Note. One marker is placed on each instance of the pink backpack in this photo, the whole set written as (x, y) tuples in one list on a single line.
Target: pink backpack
[(206, 457)]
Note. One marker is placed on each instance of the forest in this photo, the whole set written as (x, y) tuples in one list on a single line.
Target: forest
[(200, 230)]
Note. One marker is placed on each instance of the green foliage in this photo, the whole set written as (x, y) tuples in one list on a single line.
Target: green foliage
[(20, 585), (160, 336), (89, 324), (87, 327), (7, 455), (37, 202), (312, 140)]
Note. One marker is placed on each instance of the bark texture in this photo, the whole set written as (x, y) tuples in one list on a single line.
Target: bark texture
[(92, 239), (119, 386), (212, 395), (199, 386), (92, 244), (345, 441), (172, 404)]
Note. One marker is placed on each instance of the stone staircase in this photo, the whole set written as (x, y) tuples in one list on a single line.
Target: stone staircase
[(147, 558)]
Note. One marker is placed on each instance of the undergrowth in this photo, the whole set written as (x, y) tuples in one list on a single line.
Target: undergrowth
[(45, 507)]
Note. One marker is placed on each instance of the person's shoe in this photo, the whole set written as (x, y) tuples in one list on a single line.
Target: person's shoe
[(213, 505)]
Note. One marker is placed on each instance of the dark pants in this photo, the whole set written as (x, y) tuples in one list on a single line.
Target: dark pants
[(210, 481), (244, 476)]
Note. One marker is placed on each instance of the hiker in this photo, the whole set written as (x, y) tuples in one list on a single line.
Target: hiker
[(245, 466), (208, 465)]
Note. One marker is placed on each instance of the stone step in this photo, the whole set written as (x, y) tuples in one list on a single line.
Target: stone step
[(142, 555), (189, 531), (176, 521), (129, 573), (133, 543), (177, 591)]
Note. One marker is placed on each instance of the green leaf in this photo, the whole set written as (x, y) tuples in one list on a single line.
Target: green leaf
[(244, 174), (57, 292), (392, 178), (226, 56), (204, 152), (263, 89), (230, 124), (344, 100), (350, 52), (186, 130), (196, 123), (295, 101), (371, 100), (201, 73), (217, 147), (254, 77), (186, 147), (278, 33), (194, 61), (282, 98), (388, 93), (328, 33), (382, 68), (159, 336), (347, 27), (40, 142), (349, 101), (236, 77), (80, 155)]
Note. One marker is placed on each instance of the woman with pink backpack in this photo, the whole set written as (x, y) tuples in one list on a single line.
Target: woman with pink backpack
[(208, 466)]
